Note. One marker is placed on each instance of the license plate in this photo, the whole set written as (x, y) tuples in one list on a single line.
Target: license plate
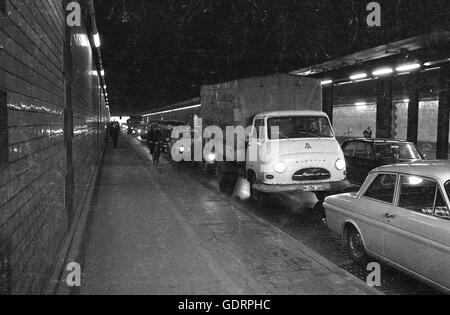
[(318, 187)]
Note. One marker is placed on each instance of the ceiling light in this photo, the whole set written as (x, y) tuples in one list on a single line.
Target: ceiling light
[(327, 82), (383, 71), (358, 76), (97, 42), (408, 67)]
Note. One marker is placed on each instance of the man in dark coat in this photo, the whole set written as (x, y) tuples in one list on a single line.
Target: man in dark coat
[(115, 132)]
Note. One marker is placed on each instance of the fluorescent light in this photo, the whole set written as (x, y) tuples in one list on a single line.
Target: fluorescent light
[(327, 82), (406, 100), (173, 110), (102, 73), (94, 73), (383, 71), (360, 104), (437, 62), (358, 76), (105, 86), (97, 42), (408, 67)]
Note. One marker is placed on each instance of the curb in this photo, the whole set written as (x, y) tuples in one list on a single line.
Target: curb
[(72, 246)]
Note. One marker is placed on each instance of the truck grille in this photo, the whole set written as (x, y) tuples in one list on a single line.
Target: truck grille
[(311, 174)]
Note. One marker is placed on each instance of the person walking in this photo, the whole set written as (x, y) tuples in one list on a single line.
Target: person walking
[(114, 133)]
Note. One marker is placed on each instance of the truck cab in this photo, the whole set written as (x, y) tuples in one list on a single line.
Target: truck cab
[(297, 151)]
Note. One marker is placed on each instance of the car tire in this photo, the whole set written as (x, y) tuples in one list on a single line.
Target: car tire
[(355, 245)]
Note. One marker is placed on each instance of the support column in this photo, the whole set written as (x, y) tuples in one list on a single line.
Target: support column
[(443, 115), (384, 109), (328, 101), (413, 109)]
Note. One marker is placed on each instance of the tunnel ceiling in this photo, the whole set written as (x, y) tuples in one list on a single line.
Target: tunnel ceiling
[(158, 52)]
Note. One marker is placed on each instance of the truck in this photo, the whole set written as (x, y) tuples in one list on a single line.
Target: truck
[(281, 111)]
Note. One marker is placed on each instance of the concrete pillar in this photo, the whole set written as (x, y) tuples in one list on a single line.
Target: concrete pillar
[(413, 108), (328, 101), (385, 109), (443, 115)]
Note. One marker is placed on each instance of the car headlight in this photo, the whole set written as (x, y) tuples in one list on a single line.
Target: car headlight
[(280, 167), (211, 157), (340, 164)]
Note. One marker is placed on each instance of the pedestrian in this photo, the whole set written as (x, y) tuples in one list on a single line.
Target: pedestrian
[(114, 133), (368, 133)]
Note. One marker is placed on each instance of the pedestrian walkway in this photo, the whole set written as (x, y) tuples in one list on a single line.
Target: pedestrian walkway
[(156, 231)]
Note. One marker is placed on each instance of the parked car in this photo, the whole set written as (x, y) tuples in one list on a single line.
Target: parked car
[(364, 155), (400, 216)]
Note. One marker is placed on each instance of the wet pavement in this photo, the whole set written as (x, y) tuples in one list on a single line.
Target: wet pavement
[(161, 231)]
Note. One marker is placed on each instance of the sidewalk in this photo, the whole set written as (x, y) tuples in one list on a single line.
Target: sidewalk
[(156, 231)]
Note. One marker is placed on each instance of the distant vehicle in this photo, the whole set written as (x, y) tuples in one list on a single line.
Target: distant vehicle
[(310, 159), (168, 126), (135, 124), (401, 216), (187, 150), (364, 155)]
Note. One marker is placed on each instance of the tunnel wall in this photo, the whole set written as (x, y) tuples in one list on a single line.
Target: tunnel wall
[(34, 221), (351, 121)]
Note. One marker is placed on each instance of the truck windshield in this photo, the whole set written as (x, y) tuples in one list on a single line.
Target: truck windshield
[(299, 127), (401, 151)]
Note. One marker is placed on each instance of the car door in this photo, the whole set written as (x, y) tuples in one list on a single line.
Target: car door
[(363, 160), (411, 236), (349, 152), (373, 204), (258, 133)]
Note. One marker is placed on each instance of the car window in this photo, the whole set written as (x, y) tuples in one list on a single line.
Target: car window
[(447, 188), (258, 132), (422, 195), (441, 209), (394, 151), (364, 151), (349, 149), (382, 188)]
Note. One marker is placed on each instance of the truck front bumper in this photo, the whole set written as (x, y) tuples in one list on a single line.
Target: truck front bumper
[(311, 187)]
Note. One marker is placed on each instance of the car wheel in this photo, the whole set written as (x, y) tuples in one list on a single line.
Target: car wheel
[(356, 247)]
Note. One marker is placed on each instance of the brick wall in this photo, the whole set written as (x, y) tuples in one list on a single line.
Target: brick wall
[(33, 215)]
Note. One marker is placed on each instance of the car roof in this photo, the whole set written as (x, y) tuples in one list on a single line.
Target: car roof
[(381, 141), (437, 169), (291, 113)]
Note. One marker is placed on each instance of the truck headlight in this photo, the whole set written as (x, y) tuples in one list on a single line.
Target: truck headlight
[(280, 167), (340, 164)]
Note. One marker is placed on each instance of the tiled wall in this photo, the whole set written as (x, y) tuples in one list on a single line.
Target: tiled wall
[(33, 216)]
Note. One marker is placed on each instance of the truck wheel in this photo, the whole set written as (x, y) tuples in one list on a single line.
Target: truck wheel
[(356, 247)]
